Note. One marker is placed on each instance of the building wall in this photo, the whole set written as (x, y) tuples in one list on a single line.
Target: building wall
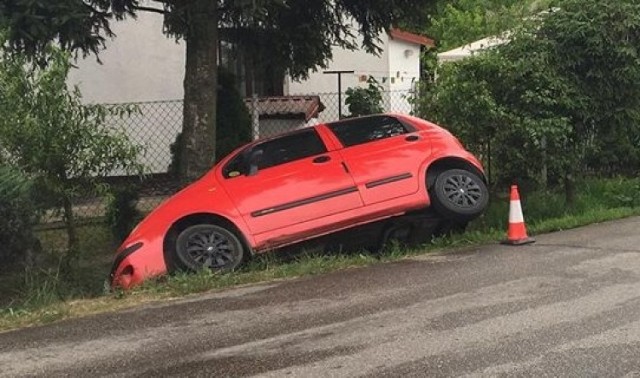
[(140, 64), (364, 65), (396, 70), (404, 67)]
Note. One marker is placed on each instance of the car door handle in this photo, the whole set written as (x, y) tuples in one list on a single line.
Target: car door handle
[(321, 159), (412, 138)]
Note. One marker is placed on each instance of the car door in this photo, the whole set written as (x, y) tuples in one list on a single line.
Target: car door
[(292, 179), (383, 155)]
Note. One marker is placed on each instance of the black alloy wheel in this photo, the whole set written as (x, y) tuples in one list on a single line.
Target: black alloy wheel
[(209, 246), (459, 194)]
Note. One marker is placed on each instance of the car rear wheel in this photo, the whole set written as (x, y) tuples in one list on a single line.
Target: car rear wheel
[(459, 195), (209, 246)]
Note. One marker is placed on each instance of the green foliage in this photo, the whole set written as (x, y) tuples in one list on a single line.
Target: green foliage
[(294, 35), (47, 133), (365, 101), (233, 122), (122, 213), (233, 119), (456, 23), (18, 215), (595, 46), (562, 97)]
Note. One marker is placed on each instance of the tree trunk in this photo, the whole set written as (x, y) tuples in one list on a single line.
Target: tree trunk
[(570, 190), (72, 235), (200, 87)]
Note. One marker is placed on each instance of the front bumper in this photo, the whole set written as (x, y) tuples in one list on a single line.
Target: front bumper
[(122, 271)]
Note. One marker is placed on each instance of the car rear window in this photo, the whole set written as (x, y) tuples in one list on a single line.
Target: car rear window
[(357, 131)]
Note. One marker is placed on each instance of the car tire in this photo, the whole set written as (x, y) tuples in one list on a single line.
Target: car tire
[(459, 195), (209, 246)]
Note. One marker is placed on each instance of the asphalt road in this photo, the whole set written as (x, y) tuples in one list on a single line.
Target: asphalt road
[(568, 305)]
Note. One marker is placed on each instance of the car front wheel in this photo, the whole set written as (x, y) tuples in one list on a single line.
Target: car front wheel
[(209, 246), (459, 195)]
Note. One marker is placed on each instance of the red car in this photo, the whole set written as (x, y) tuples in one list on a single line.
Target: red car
[(302, 185)]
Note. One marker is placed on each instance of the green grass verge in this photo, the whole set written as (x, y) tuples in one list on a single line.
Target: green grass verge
[(44, 297)]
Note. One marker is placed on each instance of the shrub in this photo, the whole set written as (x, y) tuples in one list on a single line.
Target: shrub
[(49, 134), (122, 213), (18, 215), (365, 101), (561, 98)]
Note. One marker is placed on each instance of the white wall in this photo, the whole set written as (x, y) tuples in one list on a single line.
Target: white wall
[(363, 63), (404, 64), (404, 67), (140, 64), (396, 69)]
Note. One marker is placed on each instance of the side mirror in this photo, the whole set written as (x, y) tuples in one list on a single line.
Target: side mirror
[(254, 161)]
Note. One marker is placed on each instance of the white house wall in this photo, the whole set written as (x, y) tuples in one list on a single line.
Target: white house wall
[(396, 69), (404, 67), (140, 64), (360, 61)]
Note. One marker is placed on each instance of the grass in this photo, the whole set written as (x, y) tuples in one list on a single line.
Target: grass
[(42, 296)]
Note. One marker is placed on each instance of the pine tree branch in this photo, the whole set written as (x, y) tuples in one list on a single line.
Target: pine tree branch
[(150, 9)]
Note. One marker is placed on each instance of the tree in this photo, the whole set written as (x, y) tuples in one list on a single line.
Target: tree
[(233, 122), (56, 141), (565, 91), (458, 22), (596, 45), (297, 35), (18, 216)]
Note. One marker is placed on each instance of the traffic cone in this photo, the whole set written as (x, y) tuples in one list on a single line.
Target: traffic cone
[(517, 233)]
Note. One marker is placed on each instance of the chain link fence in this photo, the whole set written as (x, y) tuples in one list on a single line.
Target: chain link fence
[(155, 125)]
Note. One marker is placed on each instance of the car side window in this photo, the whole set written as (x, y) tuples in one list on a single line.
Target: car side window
[(357, 131), (277, 151)]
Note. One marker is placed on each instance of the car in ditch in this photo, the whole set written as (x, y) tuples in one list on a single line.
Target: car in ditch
[(305, 184)]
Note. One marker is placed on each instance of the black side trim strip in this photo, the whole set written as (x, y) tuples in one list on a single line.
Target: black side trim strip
[(302, 202), (123, 255), (388, 180)]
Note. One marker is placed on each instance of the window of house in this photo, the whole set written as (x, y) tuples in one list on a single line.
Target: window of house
[(368, 129)]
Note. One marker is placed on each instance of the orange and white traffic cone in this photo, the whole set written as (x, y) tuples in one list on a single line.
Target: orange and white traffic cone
[(517, 233)]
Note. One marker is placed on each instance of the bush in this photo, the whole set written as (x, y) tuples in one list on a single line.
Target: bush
[(511, 104), (561, 98), (18, 215), (365, 101), (122, 213), (51, 135)]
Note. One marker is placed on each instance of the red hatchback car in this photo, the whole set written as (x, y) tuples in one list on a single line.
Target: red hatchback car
[(302, 185)]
